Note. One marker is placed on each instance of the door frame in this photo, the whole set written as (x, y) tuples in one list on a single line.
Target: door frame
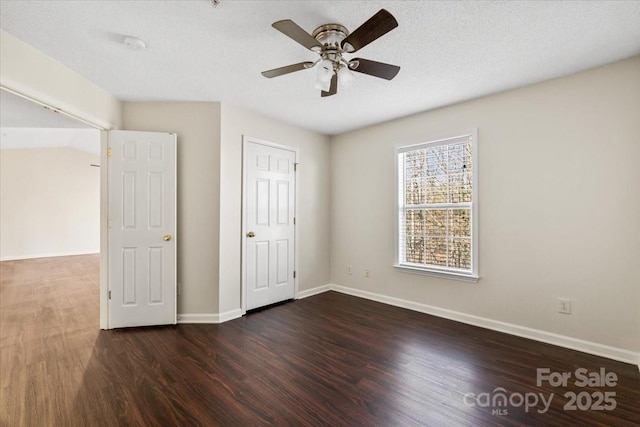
[(243, 275), (104, 229)]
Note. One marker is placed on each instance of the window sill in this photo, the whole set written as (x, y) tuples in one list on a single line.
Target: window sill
[(436, 273)]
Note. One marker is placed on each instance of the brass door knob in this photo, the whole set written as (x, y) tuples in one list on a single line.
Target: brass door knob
[(166, 237), (251, 234)]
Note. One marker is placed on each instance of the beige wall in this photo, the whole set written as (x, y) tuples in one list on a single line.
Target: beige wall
[(197, 125), (210, 196), (559, 206), (49, 202), (31, 72), (312, 205)]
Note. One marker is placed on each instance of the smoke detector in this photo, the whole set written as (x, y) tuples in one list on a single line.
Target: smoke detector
[(133, 43)]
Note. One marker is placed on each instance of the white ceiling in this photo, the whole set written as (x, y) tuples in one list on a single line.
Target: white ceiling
[(449, 51)]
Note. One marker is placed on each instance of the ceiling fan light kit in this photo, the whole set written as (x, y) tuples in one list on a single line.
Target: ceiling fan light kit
[(331, 42), (345, 76), (325, 70)]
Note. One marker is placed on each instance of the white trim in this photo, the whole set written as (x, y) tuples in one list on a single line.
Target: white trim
[(104, 230), (53, 255), (188, 318), (597, 349), (313, 291), (401, 148), (445, 274), (175, 227), (91, 123), (434, 142), (229, 315)]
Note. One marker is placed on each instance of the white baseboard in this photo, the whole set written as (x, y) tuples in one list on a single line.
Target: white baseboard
[(602, 350), (229, 315), (313, 291), (185, 318), (53, 255)]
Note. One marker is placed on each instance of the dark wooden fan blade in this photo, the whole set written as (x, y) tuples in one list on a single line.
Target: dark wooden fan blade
[(293, 30), (378, 25), (333, 89), (376, 69), (286, 70)]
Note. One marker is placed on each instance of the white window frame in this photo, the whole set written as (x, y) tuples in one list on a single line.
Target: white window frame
[(429, 270)]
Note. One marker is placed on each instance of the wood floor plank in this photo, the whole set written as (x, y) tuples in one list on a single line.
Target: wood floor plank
[(328, 360)]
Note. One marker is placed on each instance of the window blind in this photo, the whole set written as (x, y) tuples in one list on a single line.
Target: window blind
[(435, 204)]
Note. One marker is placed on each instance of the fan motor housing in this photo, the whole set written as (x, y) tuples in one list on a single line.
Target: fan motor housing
[(330, 34)]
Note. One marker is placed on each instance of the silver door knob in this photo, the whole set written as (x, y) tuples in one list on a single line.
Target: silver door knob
[(251, 234)]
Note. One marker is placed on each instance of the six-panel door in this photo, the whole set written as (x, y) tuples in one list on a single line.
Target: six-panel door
[(269, 224), (142, 228)]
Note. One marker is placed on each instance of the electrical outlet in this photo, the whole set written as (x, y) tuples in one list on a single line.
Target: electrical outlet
[(564, 305), (349, 269), (367, 273)]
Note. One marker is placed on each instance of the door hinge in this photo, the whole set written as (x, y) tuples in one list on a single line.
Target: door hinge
[(294, 220), (109, 223), (109, 152), (294, 274), (295, 167), (109, 294)]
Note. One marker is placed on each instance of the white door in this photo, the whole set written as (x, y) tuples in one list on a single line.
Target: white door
[(142, 229), (269, 215)]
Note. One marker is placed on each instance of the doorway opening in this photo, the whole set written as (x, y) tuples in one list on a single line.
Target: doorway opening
[(50, 190)]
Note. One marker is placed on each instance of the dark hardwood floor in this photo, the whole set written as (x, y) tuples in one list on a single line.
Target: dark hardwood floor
[(331, 360)]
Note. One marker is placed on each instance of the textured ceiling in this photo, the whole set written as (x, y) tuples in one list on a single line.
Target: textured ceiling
[(449, 51)]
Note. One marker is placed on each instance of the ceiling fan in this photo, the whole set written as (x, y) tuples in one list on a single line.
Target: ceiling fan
[(331, 42)]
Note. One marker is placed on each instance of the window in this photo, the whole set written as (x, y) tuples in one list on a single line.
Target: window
[(437, 199)]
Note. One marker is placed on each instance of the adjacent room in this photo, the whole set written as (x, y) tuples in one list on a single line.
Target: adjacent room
[(49, 162), (389, 213)]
